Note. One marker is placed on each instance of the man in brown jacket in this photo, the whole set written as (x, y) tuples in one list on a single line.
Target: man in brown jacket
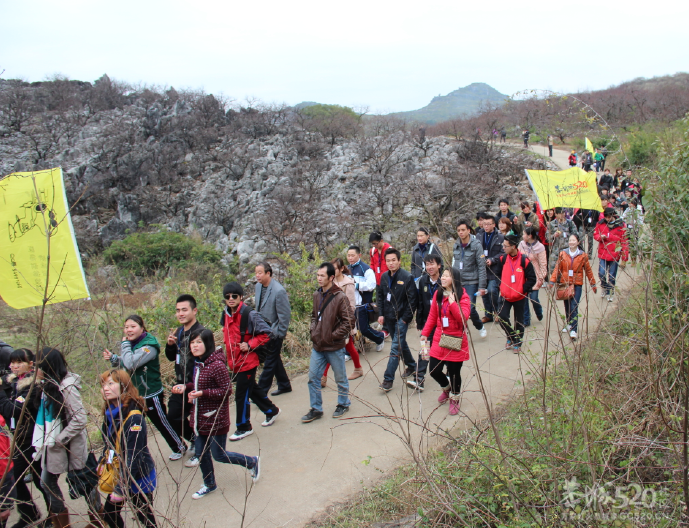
[(332, 320)]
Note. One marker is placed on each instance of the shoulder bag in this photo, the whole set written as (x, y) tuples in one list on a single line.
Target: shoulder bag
[(109, 467)]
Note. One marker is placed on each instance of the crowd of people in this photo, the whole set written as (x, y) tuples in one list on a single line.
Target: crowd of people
[(504, 259)]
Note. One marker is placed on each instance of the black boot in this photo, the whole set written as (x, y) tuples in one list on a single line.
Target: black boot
[(28, 515)]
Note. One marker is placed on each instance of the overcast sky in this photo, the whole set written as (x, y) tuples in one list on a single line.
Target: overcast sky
[(388, 56)]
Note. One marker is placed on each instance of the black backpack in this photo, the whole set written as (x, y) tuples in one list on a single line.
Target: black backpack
[(245, 312)]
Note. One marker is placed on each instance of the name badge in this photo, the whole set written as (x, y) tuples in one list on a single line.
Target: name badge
[(378, 268), (388, 296), (177, 359), (485, 252), (461, 265), (111, 456), (12, 422), (571, 273), (514, 279), (319, 316), (446, 322)]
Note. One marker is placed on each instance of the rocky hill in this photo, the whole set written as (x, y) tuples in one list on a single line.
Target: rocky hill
[(463, 102), (250, 179)]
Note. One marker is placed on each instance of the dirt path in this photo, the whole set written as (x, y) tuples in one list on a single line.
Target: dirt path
[(306, 467)]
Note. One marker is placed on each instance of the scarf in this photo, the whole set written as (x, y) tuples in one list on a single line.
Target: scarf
[(576, 252), (111, 413), (138, 339), (48, 427)]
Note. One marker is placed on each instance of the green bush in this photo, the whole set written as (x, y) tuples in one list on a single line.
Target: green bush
[(147, 254), (641, 149), (300, 281)]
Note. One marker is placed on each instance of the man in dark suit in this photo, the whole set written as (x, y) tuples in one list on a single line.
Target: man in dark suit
[(273, 305)]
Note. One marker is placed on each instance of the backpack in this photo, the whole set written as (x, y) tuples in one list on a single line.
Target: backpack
[(245, 312)]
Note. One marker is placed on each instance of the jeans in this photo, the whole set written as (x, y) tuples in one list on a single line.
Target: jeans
[(537, 308), (607, 272), (214, 446), (365, 328), (490, 299), (472, 290), (316, 368), (514, 334), (273, 368), (550, 151), (572, 308), (398, 336)]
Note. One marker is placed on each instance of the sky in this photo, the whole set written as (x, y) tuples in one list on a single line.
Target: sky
[(376, 54)]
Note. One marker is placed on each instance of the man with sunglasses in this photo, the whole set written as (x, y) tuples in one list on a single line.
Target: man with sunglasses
[(242, 338)]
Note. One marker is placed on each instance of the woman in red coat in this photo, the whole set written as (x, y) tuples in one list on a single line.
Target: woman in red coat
[(448, 316)]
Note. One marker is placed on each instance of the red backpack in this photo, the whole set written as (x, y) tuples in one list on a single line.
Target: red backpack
[(5, 443), (513, 291)]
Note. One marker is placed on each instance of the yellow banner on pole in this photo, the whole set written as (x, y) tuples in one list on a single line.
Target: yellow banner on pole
[(37, 242), (574, 188), (589, 146)]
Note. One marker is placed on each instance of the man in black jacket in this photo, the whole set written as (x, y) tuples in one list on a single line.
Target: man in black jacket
[(517, 279), (397, 302), (491, 240), (429, 283), (177, 350)]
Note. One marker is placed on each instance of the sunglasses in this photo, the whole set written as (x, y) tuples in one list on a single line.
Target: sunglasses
[(232, 296)]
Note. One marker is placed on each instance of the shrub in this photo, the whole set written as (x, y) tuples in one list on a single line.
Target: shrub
[(148, 254)]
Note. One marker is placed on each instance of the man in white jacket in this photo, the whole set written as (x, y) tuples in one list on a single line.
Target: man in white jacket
[(365, 281)]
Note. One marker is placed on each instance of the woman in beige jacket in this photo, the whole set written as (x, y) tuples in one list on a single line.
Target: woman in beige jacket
[(60, 435), (532, 249), (346, 283)]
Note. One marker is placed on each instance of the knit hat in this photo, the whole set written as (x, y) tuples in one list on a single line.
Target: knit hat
[(232, 287)]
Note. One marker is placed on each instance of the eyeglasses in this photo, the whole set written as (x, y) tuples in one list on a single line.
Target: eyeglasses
[(232, 296)]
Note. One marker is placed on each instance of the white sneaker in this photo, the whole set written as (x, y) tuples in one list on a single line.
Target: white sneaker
[(379, 348), (483, 332), (604, 294), (610, 298), (203, 492), (573, 334), (348, 358), (192, 462), (566, 329)]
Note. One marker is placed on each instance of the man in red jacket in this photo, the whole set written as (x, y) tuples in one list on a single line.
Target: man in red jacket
[(243, 359), (378, 249), (517, 279), (613, 250)]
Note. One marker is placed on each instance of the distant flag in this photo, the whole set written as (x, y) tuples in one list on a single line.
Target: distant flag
[(589, 146), (37, 241), (574, 188)]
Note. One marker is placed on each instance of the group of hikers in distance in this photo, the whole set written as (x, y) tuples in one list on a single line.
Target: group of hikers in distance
[(505, 259)]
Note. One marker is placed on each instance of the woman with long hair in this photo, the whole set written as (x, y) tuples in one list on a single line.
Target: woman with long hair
[(571, 265), (139, 355), (344, 281), (532, 248), (21, 383), (125, 441), (450, 308), (59, 435)]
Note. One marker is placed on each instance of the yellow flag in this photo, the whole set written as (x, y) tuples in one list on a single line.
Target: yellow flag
[(589, 146), (574, 188), (37, 241)]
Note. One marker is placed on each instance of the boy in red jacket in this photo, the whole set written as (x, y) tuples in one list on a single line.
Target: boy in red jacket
[(613, 250), (517, 279), (243, 359)]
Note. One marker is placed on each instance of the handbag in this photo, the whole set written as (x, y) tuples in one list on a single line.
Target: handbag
[(82, 481), (451, 342), (109, 470), (564, 292)]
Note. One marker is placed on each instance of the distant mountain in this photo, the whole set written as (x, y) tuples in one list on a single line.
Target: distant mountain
[(460, 103)]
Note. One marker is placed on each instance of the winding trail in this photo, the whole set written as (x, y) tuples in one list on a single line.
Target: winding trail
[(307, 467)]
